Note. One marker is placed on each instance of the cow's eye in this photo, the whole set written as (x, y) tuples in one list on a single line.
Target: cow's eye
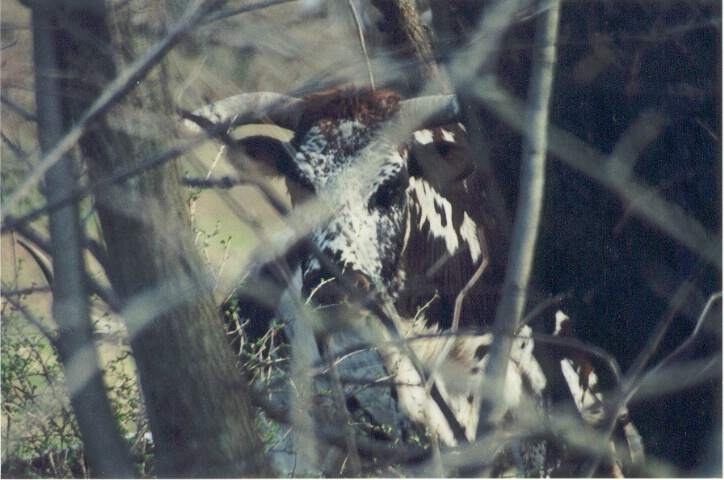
[(389, 193)]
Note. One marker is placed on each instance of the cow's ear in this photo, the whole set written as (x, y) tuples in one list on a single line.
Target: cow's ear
[(274, 157), (441, 156)]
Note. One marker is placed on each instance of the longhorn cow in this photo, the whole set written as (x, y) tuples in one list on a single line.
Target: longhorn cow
[(410, 227)]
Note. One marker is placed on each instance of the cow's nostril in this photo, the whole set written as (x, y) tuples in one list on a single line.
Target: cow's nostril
[(335, 291), (362, 282)]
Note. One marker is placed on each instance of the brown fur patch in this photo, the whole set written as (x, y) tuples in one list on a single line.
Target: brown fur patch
[(369, 107)]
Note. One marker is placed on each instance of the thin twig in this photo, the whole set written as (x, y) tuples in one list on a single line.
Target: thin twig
[(675, 305), (105, 294), (458, 310), (21, 292), (17, 108), (226, 181), (634, 379), (222, 14), (16, 149), (47, 333), (339, 400), (590, 350), (485, 42), (361, 37), (631, 388), (542, 306), (40, 259)]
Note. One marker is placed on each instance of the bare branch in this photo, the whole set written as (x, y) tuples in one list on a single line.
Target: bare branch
[(47, 333), (410, 34), (530, 202), (485, 43), (706, 369), (77, 192), (671, 378), (17, 108), (39, 241), (363, 45), (634, 384), (635, 140), (24, 291), (339, 400), (458, 309), (222, 14)]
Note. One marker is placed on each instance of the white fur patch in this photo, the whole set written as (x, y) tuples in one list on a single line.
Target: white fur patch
[(430, 203), (460, 376), (423, 137), (560, 318), (428, 199), (469, 233), (587, 401), (447, 135)]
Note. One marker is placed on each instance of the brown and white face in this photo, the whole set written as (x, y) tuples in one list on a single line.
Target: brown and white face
[(363, 177), (378, 192)]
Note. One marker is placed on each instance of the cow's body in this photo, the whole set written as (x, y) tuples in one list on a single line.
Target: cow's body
[(409, 228), (405, 228)]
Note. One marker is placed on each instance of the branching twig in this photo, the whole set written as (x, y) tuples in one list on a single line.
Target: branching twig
[(13, 223), (678, 299), (634, 141), (17, 108), (633, 381), (632, 385), (107, 295), (47, 333)]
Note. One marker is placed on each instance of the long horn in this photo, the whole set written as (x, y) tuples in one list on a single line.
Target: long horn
[(431, 111), (246, 109)]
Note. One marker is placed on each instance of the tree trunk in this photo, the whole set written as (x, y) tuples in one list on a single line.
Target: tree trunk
[(199, 410)]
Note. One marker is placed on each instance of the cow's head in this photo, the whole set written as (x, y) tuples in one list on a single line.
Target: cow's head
[(344, 155)]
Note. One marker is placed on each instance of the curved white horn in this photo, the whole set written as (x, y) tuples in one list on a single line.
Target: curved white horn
[(248, 108), (431, 111)]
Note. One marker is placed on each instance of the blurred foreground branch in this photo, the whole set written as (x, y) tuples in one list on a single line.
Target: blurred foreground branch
[(530, 203)]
